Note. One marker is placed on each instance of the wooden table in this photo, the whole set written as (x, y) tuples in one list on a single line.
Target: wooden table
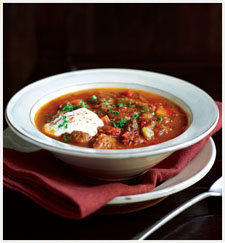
[(25, 220)]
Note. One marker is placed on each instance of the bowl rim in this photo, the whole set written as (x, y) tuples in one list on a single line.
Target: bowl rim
[(59, 147)]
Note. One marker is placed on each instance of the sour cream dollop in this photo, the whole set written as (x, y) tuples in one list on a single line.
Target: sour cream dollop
[(82, 120)]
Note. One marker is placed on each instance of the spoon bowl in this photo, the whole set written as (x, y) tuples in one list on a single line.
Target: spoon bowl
[(217, 186)]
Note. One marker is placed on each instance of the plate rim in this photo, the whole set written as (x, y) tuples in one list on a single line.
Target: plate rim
[(155, 194)]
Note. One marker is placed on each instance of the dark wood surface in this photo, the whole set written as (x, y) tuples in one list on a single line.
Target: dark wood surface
[(183, 40)]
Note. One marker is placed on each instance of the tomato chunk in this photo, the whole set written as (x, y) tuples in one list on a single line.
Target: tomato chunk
[(128, 93)]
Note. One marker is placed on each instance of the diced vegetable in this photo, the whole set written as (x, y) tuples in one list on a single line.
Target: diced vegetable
[(75, 101), (146, 116), (147, 132), (105, 119), (129, 93), (124, 101), (143, 123), (122, 109), (144, 108), (161, 111)]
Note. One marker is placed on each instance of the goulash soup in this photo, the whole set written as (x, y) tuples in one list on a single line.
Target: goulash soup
[(111, 118)]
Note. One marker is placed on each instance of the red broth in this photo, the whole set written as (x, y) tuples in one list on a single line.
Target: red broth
[(132, 118)]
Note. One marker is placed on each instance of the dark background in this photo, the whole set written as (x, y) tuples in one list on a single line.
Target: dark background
[(177, 39), (183, 40)]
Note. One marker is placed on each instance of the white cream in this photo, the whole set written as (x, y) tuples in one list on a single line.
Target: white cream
[(82, 120)]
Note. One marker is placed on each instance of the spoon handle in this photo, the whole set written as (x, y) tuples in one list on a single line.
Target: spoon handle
[(148, 231)]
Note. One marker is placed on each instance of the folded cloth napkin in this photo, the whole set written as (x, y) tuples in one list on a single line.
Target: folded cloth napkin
[(53, 185)]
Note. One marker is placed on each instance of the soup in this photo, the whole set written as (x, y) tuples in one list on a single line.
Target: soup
[(111, 118)]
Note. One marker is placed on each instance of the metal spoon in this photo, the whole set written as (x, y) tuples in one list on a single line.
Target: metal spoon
[(215, 190)]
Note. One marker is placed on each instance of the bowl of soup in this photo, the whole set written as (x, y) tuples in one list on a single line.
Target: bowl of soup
[(112, 124)]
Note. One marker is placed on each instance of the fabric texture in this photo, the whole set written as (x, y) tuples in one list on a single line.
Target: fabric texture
[(56, 187)]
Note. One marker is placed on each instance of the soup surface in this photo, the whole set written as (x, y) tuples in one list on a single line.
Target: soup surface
[(111, 118)]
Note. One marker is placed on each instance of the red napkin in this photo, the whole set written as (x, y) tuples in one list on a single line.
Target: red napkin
[(54, 186)]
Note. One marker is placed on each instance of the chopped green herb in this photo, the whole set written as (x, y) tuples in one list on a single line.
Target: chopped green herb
[(67, 138), (122, 105), (106, 102), (143, 111), (83, 104), (120, 123), (58, 111), (109, 110), (159, 118), (99, 111), (65, 122), (112, 119), (68, 108), (94, 111), (114, 107), (130, 105), (153, 113), (135, 116), (47, 115), (93, 98), (116, 112)]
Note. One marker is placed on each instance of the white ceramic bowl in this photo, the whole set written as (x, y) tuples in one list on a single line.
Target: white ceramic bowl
[(112, 164)]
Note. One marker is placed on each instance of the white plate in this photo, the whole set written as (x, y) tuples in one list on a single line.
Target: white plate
[(193, 172)]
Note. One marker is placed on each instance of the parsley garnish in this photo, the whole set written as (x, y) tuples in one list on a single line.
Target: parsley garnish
[(83, 104), (112, 119), (135, 116), (120, 123), (116, 112), (65, 122), (130, 105), (58, 111), (93, 98), (67, 138), (122, 105), (143, 111), (106, 102), (153, 113), (47, 115), (159, 118), (68, 108), (99, 111)]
